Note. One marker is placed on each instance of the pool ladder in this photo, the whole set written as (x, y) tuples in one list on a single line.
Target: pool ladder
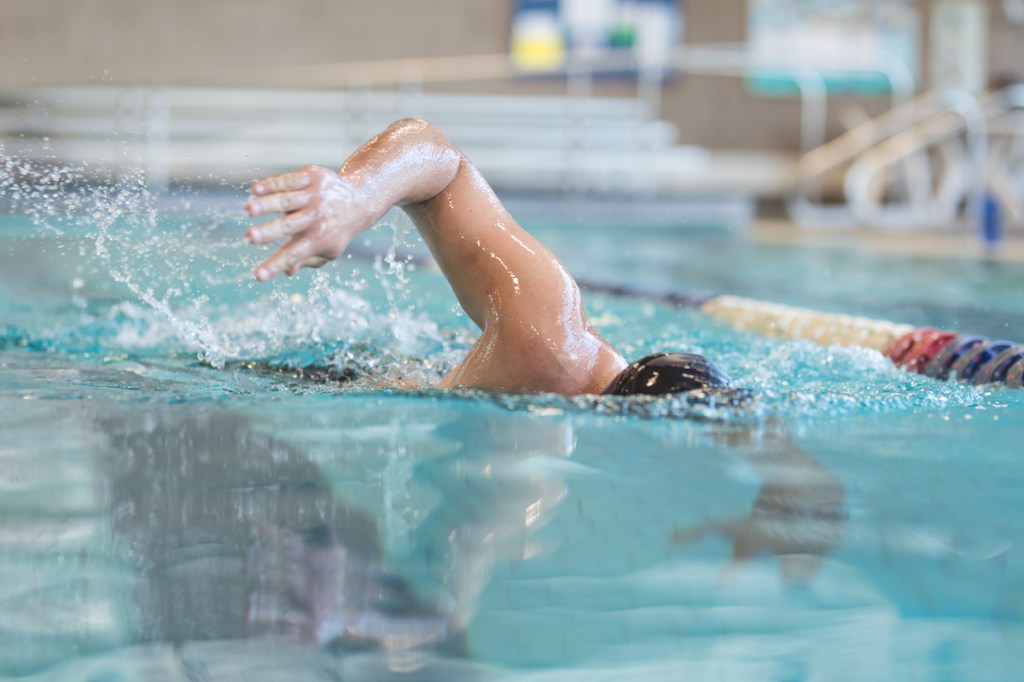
[(933, 161)]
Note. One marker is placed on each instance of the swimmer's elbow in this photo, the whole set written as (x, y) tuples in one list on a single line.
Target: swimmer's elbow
[(416, 124), (418, 129), (426, 152)]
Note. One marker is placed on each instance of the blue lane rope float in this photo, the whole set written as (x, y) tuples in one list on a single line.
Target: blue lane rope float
[(997, 370), (941, 354)]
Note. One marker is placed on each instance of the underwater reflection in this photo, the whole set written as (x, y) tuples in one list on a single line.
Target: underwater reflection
[(500, 485), (799, 514), (234, 534)]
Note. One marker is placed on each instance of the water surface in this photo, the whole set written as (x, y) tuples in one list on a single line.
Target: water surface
[(174, 507)]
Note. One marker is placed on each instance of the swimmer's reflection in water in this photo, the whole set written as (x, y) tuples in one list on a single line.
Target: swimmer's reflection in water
[(501, 489), (799, 514), (234, 534)]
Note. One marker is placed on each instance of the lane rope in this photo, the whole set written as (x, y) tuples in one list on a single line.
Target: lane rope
[(940, 354)]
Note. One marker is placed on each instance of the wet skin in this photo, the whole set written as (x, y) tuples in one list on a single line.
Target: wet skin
[(535, 334)]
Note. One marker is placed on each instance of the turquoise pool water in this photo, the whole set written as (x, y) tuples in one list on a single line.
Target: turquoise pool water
[(173, 507)]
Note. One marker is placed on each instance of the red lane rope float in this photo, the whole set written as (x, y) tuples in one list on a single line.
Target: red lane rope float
[(926, 349), (914, 350)]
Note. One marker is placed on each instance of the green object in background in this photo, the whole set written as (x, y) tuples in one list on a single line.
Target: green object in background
[(778, 83), (622, 35)]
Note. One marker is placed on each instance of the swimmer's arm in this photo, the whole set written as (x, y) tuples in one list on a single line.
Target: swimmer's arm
[(487, 257), (536, 335)]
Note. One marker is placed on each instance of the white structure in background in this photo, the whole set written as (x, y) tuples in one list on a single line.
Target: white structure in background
[(852, 33), (959, 40), (929, 163)]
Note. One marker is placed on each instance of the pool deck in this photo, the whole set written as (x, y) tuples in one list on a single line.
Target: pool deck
[(922, 243)]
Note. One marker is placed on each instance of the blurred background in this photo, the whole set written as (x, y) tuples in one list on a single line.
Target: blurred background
[(882, 115)]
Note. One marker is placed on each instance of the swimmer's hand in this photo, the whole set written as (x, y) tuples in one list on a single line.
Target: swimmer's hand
[(408, 164), (323, 212)]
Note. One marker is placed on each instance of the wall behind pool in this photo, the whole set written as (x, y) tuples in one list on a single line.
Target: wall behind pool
[(180, 42)]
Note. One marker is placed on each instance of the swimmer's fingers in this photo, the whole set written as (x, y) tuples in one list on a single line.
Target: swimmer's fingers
[(286, 226), (319, 219), (290, 257), (285, 182), (279, 202)]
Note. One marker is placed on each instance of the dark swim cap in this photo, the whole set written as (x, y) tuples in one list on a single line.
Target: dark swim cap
[(664, 373)]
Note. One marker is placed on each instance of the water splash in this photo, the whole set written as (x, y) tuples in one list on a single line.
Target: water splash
[(188, 274)]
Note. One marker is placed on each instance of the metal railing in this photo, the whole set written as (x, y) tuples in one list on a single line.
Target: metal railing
[(932, 161)]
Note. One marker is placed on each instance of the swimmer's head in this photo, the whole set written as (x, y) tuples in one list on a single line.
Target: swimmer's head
[(664, 373)]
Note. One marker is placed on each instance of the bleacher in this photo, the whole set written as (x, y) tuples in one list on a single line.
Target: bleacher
[(521, 142)]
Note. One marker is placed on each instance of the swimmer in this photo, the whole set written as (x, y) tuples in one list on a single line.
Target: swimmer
[(535, 338)]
